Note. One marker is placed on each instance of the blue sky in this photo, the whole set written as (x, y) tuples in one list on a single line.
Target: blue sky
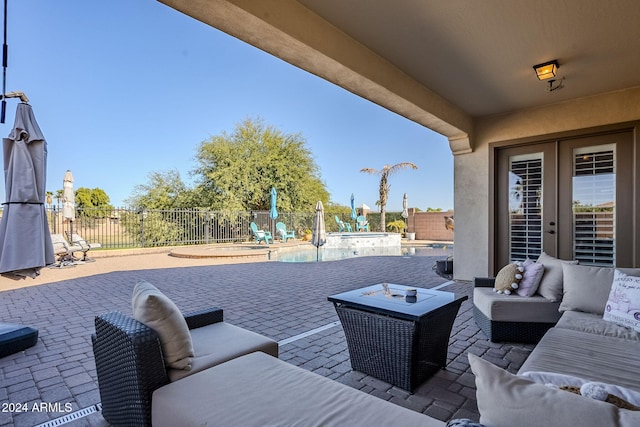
[(121, 88)]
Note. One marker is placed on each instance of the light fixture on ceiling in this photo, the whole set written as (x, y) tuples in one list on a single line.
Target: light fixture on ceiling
[(548, 71)]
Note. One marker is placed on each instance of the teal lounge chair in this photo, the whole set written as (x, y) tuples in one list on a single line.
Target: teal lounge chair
[(261, 235), (343, 226), (362, 224), (284, 233)]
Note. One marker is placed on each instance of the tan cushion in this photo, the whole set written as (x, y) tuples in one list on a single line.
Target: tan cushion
[(219, 342), (157, 311), (595, 324), (514, 308), (585, 355), (551, 283), (585, 288), (505, 400), (260, 390)]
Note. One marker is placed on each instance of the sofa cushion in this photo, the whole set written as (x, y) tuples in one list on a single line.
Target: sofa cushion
[(589, 356), (504, 398), (260, 390), (514, 308), (531, 278), (585, 288), (219, 342), (158, 312), (551, 283), (595, 324), (623, 305)]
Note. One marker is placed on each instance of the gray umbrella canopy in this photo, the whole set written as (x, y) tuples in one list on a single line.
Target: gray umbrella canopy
[(25, 242), (319, 233)]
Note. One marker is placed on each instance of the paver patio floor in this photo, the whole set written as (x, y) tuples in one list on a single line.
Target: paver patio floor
[(279, 300)]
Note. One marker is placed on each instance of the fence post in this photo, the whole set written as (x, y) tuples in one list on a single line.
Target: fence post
[(143, 214)]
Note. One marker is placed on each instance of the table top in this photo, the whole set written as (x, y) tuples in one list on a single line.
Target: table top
[(391, 299)]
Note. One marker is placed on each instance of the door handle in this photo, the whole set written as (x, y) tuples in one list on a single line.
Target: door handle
[(551, 232)]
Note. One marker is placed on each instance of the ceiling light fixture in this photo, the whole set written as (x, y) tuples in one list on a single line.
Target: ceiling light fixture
[(547, 70)]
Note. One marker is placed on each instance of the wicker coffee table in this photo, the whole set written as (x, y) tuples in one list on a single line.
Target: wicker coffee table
[(399, 339)]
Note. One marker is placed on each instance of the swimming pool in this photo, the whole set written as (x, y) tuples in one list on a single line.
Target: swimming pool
[(334, 254)]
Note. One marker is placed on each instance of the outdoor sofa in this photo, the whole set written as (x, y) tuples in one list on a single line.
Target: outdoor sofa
[(131, 357), (586, 348), (235, 377)]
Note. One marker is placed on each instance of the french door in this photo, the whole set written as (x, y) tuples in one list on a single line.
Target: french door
[(571, 198)]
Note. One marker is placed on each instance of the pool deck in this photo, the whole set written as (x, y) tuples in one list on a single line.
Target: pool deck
[(285, 301)]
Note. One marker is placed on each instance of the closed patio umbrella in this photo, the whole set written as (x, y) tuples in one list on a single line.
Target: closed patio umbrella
[(68, 200), (354, 214), (25, 242), (405, 208), (273, 213), (318, 234)]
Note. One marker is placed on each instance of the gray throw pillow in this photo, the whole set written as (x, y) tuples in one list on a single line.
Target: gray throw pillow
[(586, 288), (551, 283)]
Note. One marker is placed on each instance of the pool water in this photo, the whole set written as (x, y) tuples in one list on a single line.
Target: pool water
[(330, 254)]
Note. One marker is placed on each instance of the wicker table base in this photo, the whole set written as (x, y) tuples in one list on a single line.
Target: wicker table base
[(403, 352)]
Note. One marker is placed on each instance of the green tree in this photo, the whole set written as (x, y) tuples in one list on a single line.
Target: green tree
[(384, 186), (92, 202), (236, 171), (164, 190)]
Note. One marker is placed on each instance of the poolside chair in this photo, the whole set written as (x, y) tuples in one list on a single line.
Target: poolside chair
[(362, 224), (77, 241), (343, 226), (284, 233), (261, 235), (63, 251)]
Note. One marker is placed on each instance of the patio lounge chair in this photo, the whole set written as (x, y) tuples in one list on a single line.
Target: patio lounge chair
[(260, 235), (284, 233), (85, 246), (63, 251), (362, 224), (131, 358), (343, 226)]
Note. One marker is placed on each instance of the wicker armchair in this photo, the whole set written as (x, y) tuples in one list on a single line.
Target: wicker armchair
[(130, 366), (501, 331)]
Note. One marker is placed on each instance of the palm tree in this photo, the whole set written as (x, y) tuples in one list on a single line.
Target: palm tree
[(384, 185)]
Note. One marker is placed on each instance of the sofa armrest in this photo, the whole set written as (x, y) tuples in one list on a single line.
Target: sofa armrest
[(129, 367), (484, 282), (204, 317)]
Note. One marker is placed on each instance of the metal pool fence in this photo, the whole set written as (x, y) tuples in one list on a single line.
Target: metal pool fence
[(130, 228)]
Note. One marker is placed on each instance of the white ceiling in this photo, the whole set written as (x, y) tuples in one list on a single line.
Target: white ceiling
[(478, 55)]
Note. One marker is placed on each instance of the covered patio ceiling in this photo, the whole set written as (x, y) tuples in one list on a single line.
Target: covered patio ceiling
[(443, 63)]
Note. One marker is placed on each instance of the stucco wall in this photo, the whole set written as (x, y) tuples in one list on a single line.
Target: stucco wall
[(471, 171)]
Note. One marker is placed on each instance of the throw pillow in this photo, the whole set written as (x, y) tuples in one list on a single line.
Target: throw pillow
[(623, 305), (531, 278), (504, 398), (551, 283), (508, 278), (585, 288), (158, 312)]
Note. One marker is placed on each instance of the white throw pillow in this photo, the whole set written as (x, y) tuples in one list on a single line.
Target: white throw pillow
[(623, 305), (157, 311), (530, 278)]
